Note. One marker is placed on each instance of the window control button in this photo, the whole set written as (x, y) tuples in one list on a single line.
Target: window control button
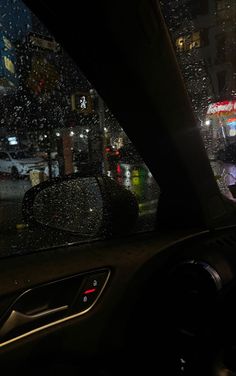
[(91, 289), (96, 281)]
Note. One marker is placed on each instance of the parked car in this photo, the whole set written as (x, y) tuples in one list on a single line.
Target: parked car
[(112, 156), (19, 163), (91, 284)]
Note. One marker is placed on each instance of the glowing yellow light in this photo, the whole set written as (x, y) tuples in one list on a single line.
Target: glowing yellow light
[(9, 64)]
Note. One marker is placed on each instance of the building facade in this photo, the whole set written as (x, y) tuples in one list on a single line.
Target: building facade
[(204, 37)]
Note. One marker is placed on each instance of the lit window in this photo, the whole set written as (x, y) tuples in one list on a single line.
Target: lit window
[(7, 43), (180, 43), (189, 42), (9, 64), (195, 40)]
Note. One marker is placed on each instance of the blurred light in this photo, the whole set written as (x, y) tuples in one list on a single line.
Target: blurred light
[(58, 134), (89, 291), (223, 132), (207, 122), (87, 130), (81, 135), (136, 180), (12, 141), (118, 169), (72, 133), (45, 136), (127, 173), (231, 123)]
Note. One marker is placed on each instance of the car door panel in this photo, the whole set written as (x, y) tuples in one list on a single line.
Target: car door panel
[(138, 281), (66, 267)]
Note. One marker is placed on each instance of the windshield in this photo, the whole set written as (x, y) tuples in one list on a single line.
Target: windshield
[(49, 110), (203, 33)]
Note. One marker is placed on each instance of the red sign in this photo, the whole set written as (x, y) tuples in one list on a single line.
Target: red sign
[(222, 108)]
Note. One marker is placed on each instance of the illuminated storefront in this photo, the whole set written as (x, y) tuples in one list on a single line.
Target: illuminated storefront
[(219, 127), (221, 118)]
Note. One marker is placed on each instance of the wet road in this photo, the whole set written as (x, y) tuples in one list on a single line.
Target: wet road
[(225, 175), (11, 196), (147, 192), (139, 181)]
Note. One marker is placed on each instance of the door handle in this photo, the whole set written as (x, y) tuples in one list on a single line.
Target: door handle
[(17, 319)]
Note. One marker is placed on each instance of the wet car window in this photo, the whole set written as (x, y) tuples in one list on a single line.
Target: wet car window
[(204, 37), (53, 124)]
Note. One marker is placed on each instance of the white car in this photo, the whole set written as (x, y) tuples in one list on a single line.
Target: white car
[(20, 163)]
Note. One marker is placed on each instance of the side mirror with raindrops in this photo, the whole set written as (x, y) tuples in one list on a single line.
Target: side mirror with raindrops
[(87, 206)]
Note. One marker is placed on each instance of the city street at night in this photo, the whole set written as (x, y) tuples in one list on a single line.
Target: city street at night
[(11, 195), (54, 122)]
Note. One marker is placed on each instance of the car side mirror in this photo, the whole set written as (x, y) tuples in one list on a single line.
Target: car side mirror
[(87, 206)]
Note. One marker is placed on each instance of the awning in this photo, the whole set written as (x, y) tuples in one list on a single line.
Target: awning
[(225, 108)]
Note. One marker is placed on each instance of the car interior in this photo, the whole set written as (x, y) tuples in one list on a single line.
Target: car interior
[(118, 301)]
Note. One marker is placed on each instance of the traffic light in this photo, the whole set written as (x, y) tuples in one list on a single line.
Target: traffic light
[(82, 103)]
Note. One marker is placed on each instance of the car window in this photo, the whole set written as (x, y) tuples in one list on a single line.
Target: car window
[(55, 124), (204, 37)]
